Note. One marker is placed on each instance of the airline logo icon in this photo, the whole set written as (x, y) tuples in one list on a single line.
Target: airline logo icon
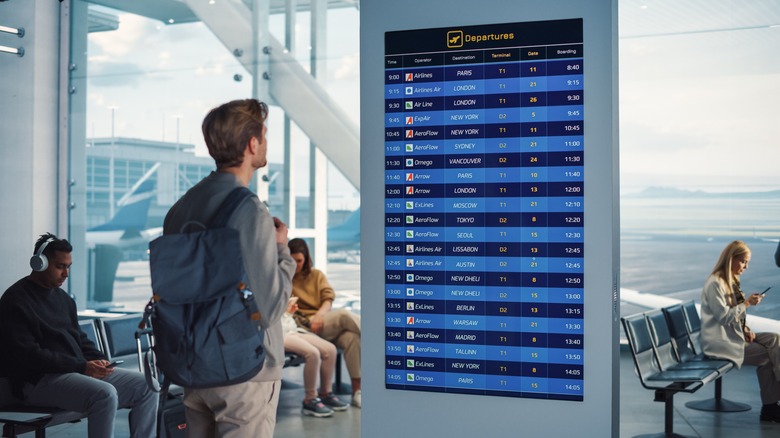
[(410, 305), (409, 363), (409, 91), (410, 190), (409, 377), (409, 77), (410, 120), (409, 147), (410, 320), (410, 133), (410, 176), (409, 104), (409, 219), (410, 234), (409, 291), (410, 348), (410, 278), (410, 162), (454, 39), (410, 248), (410, 334), (409, 205), (410, 263)]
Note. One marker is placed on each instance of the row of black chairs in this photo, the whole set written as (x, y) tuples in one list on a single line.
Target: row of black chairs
[(668, 358)]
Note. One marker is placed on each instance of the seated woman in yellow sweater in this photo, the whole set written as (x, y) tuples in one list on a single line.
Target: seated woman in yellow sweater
[(315, 299)]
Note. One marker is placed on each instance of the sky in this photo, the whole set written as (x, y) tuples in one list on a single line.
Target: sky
[(697, 110)]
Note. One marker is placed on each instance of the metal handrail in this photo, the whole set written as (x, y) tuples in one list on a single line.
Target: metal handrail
[(12, 30), (15, 51)]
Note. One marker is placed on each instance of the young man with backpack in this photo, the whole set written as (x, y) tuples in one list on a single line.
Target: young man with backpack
[(235, 136)]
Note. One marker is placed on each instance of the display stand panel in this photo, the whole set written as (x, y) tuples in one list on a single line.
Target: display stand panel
[(490, 218)]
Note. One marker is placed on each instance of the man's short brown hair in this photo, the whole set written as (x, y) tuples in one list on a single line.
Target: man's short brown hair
[(228, 128)]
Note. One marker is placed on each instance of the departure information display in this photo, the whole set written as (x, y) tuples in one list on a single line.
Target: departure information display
[(484, 153)]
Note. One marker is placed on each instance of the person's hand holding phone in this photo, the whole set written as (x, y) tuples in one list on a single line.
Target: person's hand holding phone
[(292, 305)]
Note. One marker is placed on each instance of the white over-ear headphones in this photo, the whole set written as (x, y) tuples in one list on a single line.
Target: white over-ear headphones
[(39, 262)]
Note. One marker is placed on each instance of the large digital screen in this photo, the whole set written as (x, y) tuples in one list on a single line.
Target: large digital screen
[(484, 153)]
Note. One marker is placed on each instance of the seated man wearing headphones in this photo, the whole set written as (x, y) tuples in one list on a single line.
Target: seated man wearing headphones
[(50, 361)]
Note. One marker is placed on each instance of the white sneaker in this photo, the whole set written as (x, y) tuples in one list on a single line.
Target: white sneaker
[(356, 401)]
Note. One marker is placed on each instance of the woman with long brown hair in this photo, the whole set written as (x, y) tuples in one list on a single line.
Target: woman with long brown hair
[(315, 300)]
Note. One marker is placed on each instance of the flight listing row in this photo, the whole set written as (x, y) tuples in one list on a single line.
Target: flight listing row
[(477, 219), (485, 278), (480, 309), (484, 190), (471, 98), (486, 367), (485, 264), (475, 235), (482, 116), (499, 386), (482, 175), (476, 161), (503, 251), (482, 145), (538, 295), (526, 338), (486, 352), (539, 71), (488, 130), (533, 203), (478, 323), (492, 93)]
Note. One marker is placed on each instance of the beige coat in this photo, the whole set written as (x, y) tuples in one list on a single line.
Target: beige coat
[(721, 327)]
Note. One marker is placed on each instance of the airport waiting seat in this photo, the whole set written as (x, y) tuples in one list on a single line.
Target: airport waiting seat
[(90, 328), (665, 384), (119, 338), (675, 316), (693, 324)]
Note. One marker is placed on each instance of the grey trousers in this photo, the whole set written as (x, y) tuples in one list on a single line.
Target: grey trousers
[(100, 399), (764, 353)]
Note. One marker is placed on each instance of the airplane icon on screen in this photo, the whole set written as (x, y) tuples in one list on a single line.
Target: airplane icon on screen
[(455, 38)]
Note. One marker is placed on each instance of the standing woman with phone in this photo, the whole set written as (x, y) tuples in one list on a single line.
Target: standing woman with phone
[(724, 333)]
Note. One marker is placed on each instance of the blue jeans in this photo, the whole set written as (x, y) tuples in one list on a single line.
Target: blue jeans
[(99, 400)]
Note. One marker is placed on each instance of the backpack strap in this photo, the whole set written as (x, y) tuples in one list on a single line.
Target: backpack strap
[(229, 205)]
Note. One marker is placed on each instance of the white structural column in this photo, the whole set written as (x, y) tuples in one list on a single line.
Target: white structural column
[(75, 93), (30, 160), (318, 164), (260, 72), (289, 158)]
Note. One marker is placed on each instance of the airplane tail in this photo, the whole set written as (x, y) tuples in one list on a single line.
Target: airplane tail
[(132, 216)]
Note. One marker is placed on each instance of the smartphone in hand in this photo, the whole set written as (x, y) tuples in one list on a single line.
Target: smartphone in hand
[(114, 363), (765, 291)]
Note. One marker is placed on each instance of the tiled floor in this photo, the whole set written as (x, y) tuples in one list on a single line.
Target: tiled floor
[(639, 415)]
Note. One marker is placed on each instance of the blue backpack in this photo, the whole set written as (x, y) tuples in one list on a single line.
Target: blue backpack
[(203, 317)]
